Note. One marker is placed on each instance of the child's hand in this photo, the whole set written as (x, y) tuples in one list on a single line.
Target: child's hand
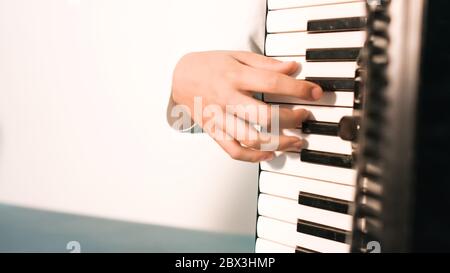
[(227, 79)]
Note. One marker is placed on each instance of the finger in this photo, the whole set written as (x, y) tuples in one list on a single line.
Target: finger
[(252, 79), (262, 62), (257, 112), (237, 152), (244, 133), (273, 143)]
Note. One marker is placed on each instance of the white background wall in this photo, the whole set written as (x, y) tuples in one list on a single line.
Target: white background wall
[(83, 92)]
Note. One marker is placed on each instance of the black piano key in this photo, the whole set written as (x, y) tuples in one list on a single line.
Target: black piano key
[(322, 231), (303, 250), (335, 25), (348, 128), (320, 128), (323, 202), (334, 84), (330, 159), (332, 54)]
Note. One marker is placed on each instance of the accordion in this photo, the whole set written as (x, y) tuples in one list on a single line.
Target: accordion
[(375, 175)]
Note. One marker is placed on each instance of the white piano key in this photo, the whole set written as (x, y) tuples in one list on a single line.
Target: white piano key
[(290, 211), (322, 69), (290, 163), (264, 246), (322, 143), (296, 43), (288, 186), (338, 99), (285, 4), (286, 234), (290, 20)]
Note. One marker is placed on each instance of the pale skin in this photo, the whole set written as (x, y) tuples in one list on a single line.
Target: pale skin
[(227, 78)]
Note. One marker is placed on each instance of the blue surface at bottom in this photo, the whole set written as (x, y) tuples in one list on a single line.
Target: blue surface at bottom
[(27, 230)]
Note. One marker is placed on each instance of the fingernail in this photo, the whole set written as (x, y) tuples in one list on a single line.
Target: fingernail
[(304, 115), (298, 145), (317, 93), (298, 69), (269, 157)]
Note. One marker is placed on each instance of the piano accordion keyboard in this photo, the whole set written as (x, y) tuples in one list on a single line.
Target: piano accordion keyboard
[(305, 199)]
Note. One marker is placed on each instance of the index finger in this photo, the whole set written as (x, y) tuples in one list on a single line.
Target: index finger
[(277, 83)]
